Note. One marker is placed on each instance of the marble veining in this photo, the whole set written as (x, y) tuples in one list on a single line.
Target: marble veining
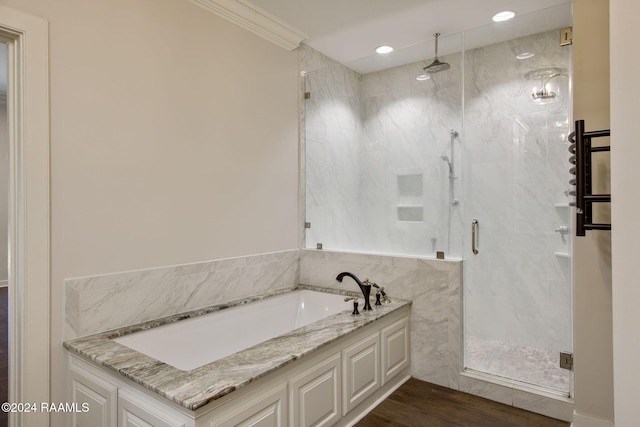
[(100, 303), (198, 387), (433, 286)]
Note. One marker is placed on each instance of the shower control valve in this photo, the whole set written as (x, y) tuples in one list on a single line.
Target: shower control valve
[(563, 230)]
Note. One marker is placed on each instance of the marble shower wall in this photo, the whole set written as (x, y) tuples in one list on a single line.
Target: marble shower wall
[(433, 286), (331, 169), (518, 288), (404, 185), (375, 180), (101, 303)]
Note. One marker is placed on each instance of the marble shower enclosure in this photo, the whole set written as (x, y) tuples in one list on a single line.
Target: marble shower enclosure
[(376, 181)]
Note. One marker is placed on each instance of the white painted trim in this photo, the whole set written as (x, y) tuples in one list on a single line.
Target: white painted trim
[(29, 269), (379, 400), (250, 17), (585, 421)]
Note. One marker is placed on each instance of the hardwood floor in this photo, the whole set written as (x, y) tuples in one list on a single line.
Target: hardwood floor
[(417, 403)]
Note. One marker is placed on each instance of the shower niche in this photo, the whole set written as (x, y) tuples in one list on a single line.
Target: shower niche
[(410, 195)]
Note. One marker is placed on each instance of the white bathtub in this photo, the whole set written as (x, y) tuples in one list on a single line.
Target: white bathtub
[(191, 343)]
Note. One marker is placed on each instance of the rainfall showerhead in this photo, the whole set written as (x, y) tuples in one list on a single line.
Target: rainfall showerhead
[(437, 65)]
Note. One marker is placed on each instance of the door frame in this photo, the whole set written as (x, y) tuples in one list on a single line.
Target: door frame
[(29, 211)]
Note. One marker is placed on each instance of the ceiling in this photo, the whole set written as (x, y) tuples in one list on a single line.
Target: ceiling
[(349, 30)]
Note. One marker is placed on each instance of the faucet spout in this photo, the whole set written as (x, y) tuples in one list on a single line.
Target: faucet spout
[(364, 287)]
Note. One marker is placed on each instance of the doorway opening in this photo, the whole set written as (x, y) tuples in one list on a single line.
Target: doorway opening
[(27, 106)]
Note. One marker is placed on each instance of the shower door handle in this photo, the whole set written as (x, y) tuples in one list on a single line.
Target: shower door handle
[(474, 236)]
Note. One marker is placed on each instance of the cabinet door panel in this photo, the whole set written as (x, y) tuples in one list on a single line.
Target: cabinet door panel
[(134, 411), (395, 348), (315, 394), (361, 371), (101, 396), (269, 410)]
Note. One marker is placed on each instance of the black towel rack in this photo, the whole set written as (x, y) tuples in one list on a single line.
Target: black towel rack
[(582, 150)]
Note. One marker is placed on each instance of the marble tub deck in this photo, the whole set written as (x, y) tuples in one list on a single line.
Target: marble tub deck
[(198, 387)]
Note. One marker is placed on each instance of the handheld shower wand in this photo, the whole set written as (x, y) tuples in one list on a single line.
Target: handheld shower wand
[(446, 159), (450, 162)]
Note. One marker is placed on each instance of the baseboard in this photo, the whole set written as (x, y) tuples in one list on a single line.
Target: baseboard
[(585, 421), (4, 283)]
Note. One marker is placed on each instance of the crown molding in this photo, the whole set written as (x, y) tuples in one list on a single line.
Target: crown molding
[(258, 21)]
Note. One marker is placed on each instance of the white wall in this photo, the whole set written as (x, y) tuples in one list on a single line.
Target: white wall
[(592, 317), (625, 175), (173, 140)]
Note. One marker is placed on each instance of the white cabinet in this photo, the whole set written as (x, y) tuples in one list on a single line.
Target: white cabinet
[(315, 395), (267, 408), (99, 394), (137, 410), (361, 371), (395, 349), (334, 386)]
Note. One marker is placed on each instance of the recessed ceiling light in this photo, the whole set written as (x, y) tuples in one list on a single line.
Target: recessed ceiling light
[(525, 55), (503, 16), (384, 49), (422, 77)]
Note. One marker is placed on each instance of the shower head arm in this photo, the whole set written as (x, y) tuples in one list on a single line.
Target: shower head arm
[(436, 65), (543, 92), (551, 77)]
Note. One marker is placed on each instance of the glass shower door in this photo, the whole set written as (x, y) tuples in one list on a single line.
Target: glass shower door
[(517, 292)]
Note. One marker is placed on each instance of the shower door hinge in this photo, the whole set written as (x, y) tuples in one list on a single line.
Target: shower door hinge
[(566, 360), (566, 36), (307, 95)]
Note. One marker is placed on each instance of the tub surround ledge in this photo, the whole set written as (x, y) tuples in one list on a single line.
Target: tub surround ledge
[(198, 387)]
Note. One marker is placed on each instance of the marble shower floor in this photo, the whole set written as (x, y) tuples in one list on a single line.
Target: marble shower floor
[(518, 362)]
